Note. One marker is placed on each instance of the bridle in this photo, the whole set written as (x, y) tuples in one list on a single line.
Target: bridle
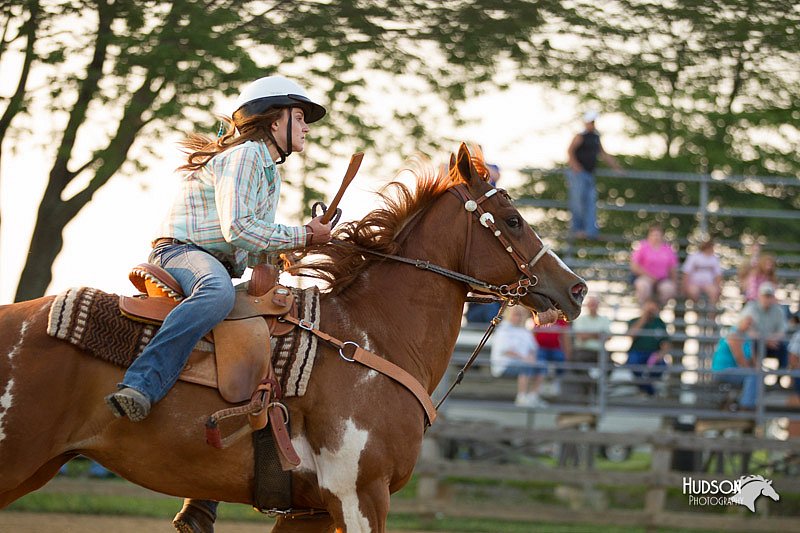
[(510, 292), (519, 288)]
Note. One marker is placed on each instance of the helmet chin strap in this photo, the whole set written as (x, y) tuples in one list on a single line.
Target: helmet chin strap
[(281, 152)]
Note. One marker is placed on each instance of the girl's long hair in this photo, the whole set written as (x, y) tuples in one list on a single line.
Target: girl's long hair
[(201, 148)]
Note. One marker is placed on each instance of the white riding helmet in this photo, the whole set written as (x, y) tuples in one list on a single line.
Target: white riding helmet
[(276, 91)]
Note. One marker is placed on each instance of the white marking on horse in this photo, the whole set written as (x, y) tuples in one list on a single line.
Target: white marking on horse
[(15, 349), (6, 401), (559, 261), (337, 471), (6, 398), (368, 376)]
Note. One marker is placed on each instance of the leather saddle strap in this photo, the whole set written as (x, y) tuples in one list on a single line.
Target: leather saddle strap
[(376, 363), (283, 441)]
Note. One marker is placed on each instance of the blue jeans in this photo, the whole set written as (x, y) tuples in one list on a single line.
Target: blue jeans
[(209, 299), (518, 368), (642, 358), (549, 355), (748, 382), (583, 202)]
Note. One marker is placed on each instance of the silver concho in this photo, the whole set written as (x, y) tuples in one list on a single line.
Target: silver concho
[(486, 218), (471, 205)]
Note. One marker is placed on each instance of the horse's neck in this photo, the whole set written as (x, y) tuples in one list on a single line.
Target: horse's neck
[(407, 315)]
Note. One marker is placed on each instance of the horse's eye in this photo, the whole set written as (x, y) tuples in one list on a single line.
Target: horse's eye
[(514, 222)]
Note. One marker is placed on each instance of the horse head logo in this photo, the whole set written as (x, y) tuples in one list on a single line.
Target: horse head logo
[(751, 488)]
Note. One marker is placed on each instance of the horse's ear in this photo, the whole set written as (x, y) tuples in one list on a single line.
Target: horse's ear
[(452, 161), (465, 166)]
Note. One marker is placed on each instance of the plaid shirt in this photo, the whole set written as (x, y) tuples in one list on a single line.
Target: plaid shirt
[(228, 206)]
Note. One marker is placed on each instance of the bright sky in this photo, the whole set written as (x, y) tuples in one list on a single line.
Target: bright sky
[(524, 126)]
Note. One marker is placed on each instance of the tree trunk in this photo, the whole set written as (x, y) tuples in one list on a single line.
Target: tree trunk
[(46, 244)]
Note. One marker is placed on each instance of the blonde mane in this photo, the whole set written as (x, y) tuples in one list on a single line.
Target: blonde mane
[(340, 261)]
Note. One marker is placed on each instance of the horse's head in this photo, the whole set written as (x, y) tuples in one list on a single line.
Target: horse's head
[(503, 250)]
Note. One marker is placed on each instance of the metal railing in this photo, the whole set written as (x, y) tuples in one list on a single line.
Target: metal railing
[(703, 210)]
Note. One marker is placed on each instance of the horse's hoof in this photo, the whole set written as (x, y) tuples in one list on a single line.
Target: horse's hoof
[(129, 402), (193, 519)]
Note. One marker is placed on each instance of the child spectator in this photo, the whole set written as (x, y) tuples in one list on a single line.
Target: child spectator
[(764, 271), (702, 274)]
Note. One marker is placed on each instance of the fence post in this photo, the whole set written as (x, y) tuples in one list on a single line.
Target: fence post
[(428, 485), (703, 207), (656, 495)]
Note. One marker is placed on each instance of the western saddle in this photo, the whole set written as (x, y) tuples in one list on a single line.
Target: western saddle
[(240, 365)]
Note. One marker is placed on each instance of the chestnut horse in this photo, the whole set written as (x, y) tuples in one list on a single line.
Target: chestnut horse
[(357, 432)]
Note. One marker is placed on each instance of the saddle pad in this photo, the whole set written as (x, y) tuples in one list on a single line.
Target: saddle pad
[(90, 319)]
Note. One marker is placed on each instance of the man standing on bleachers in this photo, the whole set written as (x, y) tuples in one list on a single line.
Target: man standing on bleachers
[(583, 153)]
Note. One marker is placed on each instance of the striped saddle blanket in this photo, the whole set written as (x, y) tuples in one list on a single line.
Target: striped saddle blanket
[(91, 320)]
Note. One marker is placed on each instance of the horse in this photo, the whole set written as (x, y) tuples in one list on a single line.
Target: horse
[(357, 432), (751, 488)]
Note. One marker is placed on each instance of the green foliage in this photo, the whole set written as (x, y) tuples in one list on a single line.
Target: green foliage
[(120, 73), (712, 85)]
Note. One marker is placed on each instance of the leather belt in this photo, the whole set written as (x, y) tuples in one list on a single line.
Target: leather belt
[(172, 241), (166, 240)]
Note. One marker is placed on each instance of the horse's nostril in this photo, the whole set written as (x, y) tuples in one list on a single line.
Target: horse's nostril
[(579, 291)]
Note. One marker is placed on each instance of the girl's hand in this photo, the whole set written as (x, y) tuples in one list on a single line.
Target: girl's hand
[(318, 233)]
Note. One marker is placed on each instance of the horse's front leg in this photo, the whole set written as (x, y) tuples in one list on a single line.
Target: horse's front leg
[(363, 510)]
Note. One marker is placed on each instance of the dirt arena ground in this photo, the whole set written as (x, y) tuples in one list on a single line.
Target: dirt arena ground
[(19, 522)]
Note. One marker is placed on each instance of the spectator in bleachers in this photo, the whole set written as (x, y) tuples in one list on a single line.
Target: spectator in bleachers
[(735, 350), (702, 274), (769, 324), (749, 261), (514, 355), (764, 271), (555, 347), (494, 174), (590, 331), (655, 266), (649, 344)]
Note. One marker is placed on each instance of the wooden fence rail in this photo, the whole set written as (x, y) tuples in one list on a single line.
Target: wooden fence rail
[(433, 466)]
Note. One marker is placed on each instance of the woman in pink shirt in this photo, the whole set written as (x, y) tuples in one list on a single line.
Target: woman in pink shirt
[(655, 265)]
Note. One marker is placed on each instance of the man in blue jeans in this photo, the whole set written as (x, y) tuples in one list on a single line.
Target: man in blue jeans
[(583, 152)]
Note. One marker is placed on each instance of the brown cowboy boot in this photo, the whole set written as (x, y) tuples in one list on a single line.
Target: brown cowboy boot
[(197, 516)]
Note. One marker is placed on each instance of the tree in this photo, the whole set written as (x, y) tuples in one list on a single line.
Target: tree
[(151, 65), (714, 85), (16, 28)]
